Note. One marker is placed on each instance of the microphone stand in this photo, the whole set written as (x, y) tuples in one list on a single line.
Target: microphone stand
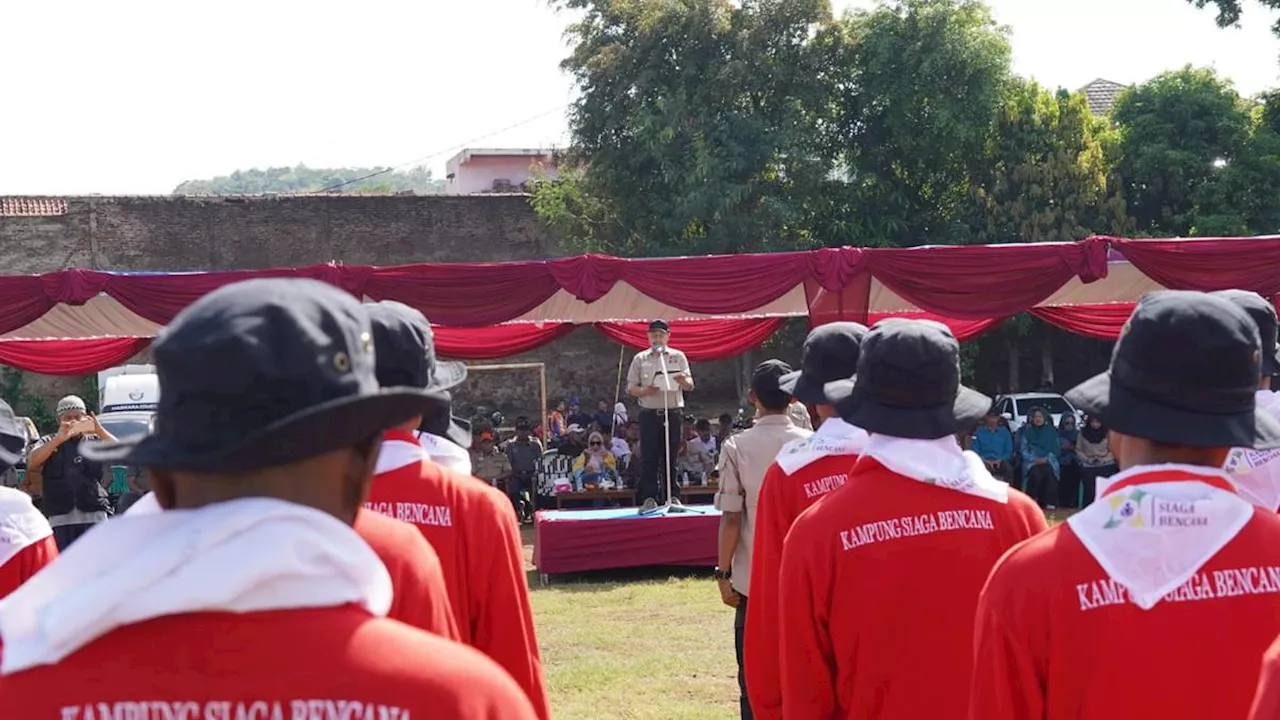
[(670, 506)]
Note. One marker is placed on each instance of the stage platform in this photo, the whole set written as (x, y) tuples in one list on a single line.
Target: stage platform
[(569, 541)]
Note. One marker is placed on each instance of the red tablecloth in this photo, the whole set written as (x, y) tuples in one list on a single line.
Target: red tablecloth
[(567, 541)]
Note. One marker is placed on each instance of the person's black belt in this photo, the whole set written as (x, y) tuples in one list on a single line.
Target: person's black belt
[(659, 412)]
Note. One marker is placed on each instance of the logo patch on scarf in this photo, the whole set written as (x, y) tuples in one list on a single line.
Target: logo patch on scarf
[(961, 483), (1244, 460), (1140, 509)]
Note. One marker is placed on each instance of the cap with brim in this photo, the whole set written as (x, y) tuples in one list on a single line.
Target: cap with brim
[(925, 423), (293, 377), (13, 438), (1128, 412), (659, 325), (1184, 372), (441, 422), (908, 383), (1263, 314), (831, 354)]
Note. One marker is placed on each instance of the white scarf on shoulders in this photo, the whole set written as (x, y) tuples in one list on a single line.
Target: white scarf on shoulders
[(1157, 525), (833, 437), (1256, 473), (938, 462), (240, 556), (445, 453), (21, 524)]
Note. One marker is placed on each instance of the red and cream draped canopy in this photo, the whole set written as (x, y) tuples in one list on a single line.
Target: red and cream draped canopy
[(79, 321)]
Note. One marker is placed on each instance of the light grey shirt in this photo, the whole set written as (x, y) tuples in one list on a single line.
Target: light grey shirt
[(646, 371)]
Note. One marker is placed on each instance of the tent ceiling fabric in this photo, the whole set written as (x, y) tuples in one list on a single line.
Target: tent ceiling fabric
[(1085, 287)]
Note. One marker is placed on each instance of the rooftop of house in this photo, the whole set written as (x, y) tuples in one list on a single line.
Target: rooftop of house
[(23, 206), (1101, 95), (452, 164)]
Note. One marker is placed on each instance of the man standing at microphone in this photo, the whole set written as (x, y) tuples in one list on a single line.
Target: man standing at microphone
[(657, 379)]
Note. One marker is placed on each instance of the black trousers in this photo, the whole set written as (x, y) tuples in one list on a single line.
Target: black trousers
[(653, 454), (1042, 485), (739, 631), (1089, 479), (64, 535), (1069, 485)]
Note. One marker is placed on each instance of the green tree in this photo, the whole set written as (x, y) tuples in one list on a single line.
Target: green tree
[(302, 179), (1177, 132), (694, 130), (1229, 11), (1046, 177), (920, 87)]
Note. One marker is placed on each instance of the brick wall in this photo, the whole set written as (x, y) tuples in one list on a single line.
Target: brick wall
[(229, 233)]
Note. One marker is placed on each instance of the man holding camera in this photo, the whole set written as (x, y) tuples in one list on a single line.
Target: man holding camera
[(657, 379), (74, 497)]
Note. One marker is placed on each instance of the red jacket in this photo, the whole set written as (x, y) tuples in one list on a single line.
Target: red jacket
[(421, 594), (473, 529), (782, 498), (27, 562), (323, 662), (1266, 703), (878, 589), (1056, 638)]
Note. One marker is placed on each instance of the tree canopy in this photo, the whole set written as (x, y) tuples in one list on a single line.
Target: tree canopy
[(302, 179), (711, 126), (1229, 11)]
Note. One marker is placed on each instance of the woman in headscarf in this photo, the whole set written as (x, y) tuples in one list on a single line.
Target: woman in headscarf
[(1039, 445), (1094, 450), (1068, 463), (596, 463)]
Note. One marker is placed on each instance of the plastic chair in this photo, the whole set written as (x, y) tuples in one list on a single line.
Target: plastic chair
[(119, 480)]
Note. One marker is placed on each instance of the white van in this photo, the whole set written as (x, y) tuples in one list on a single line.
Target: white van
[(128, 397)]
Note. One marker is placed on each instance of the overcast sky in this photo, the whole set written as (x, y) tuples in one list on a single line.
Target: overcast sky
[(135, 96)]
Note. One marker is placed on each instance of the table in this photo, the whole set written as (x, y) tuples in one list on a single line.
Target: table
[(589, 495), (571, 541), (698, 491)]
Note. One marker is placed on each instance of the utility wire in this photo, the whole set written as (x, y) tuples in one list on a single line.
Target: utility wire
[(451, 148)]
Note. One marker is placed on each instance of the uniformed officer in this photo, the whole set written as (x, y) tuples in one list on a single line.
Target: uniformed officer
[(657, 379)]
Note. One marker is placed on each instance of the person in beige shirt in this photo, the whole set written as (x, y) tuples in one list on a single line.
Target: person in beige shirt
[(744, 458), (658, 379)]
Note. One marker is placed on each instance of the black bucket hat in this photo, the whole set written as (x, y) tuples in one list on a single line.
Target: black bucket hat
[(1263, 314), (908, 383), (1184, 372), (831, 353), (263, 373), (404, 345), (13, 437)]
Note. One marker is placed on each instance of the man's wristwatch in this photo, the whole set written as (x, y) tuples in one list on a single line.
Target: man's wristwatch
[(723, 574)]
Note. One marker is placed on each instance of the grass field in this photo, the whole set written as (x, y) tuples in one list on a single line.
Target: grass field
[(638, 646), (651, 648)]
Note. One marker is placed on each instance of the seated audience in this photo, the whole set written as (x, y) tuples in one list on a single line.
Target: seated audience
[(994, 444), (1068, 463), (604, 418), (578, 416), (596, 464), (1039, 446), (487, 461), (1093, 447), (573, 443), (523, 454), (697, 456)]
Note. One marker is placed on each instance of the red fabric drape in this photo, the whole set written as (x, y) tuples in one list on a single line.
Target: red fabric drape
[(984, 281), (700, 340), (69, 357), (1208, 264), (498, 341), (962, 329), (1095, 321), (465, 294)]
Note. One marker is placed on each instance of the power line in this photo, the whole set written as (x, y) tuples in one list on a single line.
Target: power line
[(451, 148)]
